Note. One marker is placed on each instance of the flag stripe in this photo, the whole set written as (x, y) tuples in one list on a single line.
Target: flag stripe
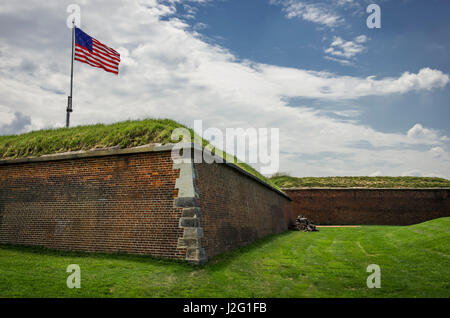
[(97, 63), (94, 63), (100, 50), (97, 57), (107, 48), (104, 51), (84, 60), (107, 57)]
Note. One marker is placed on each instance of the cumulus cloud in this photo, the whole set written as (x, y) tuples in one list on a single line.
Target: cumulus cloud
[(426, 79), (420, 132), (168, 70), (296, 82)]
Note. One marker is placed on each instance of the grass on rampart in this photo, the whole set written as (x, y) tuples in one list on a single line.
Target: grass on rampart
[(123, 134), (286, 181)]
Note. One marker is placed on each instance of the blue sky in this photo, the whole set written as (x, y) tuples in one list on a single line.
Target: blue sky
[(414, 34), (348, 100)]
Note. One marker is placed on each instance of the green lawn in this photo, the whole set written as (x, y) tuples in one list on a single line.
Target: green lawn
[(286, 181), (414, 262)]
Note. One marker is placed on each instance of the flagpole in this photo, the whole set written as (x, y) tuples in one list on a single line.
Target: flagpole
[(69, 98)]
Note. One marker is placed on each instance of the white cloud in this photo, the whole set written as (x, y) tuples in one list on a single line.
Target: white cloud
[(426, 79), (293, 82), (315, 13), (438, 152), (413, 173), (346, 49), (167, 70), (344, 2), (200, 26), (340, 61), (375, 174), (361, 39), (419, 132), (17, 124)]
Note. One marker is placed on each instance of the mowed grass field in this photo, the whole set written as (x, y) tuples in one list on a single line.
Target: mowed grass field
[(414, 261)]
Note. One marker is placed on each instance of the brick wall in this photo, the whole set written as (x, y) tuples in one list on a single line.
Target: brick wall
[(118, 203), (136, 201), (236, 210), (370, 206)]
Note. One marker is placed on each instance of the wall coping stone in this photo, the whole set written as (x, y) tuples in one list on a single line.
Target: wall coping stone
[(99, 152)]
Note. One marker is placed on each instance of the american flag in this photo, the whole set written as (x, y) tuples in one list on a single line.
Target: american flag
[(90, 51)]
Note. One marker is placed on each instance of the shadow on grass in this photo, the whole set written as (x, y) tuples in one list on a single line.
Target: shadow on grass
[(141, 258), (217, 262), (226, 258)]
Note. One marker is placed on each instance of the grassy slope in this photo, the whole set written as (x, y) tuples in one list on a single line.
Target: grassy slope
[(414, 262), (123, 134), (285, 181)]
